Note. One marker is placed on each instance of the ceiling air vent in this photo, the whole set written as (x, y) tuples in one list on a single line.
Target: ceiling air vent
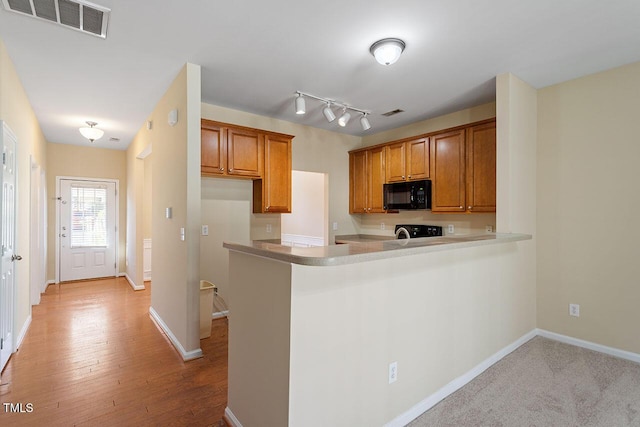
[(78, 14), (392, 112)]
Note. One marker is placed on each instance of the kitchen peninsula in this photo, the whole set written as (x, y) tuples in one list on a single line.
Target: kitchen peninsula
[(313, 331)]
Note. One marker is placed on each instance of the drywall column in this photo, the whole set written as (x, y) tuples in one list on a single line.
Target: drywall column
[(176, 185)]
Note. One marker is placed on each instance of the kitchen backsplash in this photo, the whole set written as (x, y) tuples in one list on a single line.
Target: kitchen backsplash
[(384, 224)]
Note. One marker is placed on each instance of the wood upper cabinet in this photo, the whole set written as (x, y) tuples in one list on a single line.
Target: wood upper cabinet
[(229, 151), (244, 152), (464, 169), (366, 180), (448, 164), (213, 153), (238, 152), (407, 160), (272, 193), (358, 182), (481, 168)]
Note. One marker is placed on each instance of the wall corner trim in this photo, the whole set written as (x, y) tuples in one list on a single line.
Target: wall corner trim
[(186, 355), (131, 282), (23, 332), (230, 418)]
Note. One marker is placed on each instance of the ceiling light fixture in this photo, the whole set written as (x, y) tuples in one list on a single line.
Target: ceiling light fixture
[(328, 113), (300, 104), (344, 118), (91, 133), (364, 122), (387, 51)]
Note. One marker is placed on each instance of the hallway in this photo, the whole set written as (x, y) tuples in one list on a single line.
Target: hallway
[(93, 356)]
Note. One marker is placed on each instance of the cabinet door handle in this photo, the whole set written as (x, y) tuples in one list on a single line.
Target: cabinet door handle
[(222, 169), (402, 176), (470, 207), (267, 208), (409, 177), (230, 169), (461, 207)]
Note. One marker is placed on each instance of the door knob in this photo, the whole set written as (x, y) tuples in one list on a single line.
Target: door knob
[(15, 257), (63, 235)]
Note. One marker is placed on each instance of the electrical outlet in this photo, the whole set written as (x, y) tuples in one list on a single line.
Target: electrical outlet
[(393, 372), (488, 229), (268, 228), (382, 226), (451, 229), (335, 226), (205, 230), (574, 310)]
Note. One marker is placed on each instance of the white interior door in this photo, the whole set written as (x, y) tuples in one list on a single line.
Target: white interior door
[(9, 256), (87, 232)]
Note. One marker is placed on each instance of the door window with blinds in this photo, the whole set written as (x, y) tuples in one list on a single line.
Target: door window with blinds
[(88, 216)]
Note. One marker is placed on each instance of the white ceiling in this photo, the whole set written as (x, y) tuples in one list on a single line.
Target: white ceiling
[(256, 54)]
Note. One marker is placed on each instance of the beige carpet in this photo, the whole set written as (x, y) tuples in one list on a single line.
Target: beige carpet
[(545, 383)]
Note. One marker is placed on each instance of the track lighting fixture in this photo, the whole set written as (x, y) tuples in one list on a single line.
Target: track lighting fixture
[(300, 104), (364, 122), (387, 51), (344, 118), (328, 113)]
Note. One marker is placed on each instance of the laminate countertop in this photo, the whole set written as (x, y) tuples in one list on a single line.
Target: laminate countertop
[(368, 248)]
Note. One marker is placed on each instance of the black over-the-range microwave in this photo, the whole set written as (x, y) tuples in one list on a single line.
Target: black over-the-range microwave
[(407, 195)]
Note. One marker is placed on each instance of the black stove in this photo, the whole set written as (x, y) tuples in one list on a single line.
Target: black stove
[(419, 230)]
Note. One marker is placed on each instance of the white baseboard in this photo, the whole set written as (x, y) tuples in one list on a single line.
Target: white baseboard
[(456, 384), (231, 418), (186, 355), (623, 354), (47, 283), (219, 314), (23, 332), (132, 283), (459, 382)]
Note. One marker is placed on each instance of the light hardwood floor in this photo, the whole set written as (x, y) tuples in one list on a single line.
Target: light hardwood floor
[(93, 356)]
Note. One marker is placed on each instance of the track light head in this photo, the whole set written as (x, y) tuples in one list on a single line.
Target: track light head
[(300, 104), (344, 118), (364, 122), (328, 113)]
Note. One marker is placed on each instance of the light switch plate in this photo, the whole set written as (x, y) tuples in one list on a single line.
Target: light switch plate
[(205, 230)]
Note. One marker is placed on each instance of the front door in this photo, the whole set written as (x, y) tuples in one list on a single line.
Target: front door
[(87, 232), (8, 232)]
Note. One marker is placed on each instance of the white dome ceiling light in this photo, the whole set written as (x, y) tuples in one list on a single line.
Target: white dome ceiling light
[(387, 51)]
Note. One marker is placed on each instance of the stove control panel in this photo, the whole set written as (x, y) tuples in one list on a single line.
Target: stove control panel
[(417, 230)]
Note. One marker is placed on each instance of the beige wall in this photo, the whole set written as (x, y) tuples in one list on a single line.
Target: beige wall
[(308, 215), (17, 112), (146, 198), (313, 150), (226, 209), (175, 177), (84, 162), (588, 204)]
